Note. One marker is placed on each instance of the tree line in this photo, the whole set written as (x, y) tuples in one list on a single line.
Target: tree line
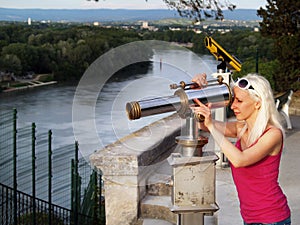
[(66, 51)]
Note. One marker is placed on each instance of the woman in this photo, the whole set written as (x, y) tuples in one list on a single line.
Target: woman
[(255, 157)]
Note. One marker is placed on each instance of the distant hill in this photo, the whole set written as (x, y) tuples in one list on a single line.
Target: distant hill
[(107, 15)]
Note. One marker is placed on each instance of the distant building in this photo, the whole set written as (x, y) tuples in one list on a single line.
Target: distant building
[(174, 28), (256, 29), (145, 25), (29, 21)]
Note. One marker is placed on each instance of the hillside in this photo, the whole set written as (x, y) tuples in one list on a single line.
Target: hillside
[(107, 15)]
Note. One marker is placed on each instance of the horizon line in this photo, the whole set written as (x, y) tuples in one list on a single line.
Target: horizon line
[(116, 9)]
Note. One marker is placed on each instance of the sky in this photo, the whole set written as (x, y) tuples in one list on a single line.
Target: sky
[(113, 4)]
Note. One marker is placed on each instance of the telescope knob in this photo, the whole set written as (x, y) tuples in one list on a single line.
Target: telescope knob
[(181, 84), (220, 79), (200, 118)]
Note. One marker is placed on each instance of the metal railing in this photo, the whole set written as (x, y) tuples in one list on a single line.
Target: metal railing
[(31, 210), (38, 181)]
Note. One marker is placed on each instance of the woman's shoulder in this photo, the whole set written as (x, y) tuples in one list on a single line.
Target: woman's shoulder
[(273, 130), (274, 135)]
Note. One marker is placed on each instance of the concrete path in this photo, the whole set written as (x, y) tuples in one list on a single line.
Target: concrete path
[(289, 180)]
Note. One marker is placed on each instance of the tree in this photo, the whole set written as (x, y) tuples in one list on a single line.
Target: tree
[(11, 63), (197, 9), (281, 21), (26, 53), (280, 18)]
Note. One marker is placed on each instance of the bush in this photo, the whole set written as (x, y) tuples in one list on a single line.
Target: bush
[(41, 219)]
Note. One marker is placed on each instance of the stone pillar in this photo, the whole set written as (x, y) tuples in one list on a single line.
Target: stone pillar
[(127, 164), (121, 199)]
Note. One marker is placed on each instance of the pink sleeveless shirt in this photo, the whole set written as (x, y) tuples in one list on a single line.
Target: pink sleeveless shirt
[(261, 198)]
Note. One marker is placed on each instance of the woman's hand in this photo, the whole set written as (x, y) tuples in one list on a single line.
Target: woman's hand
[(200, 79), (204, 112)]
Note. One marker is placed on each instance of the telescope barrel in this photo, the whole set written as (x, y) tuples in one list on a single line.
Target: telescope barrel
[(219, 96), (148, 107)]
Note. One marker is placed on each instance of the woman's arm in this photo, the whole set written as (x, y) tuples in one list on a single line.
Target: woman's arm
[(268, 144), (229, 129)]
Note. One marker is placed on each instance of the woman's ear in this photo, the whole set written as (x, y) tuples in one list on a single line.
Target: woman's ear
[(257, 104)]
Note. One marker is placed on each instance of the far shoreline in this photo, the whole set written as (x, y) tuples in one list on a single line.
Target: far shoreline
[(30, 86)]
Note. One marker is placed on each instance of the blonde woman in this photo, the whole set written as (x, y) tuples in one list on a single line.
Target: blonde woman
[(255, 157)]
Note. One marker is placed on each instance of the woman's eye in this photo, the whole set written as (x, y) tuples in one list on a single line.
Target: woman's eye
[(238, 100)]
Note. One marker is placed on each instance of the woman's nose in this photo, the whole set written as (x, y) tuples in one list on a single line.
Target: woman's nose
[(233, 105)]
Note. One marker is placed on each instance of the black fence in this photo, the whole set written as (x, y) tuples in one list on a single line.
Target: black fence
[(29, 210), (40, 184)]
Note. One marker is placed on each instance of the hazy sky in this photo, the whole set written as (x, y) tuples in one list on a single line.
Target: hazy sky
[(128, 4)]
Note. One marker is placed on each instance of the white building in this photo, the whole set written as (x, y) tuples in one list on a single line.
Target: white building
[(145, 25)]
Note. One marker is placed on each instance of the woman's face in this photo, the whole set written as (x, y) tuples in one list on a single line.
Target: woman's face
[(243, 106)]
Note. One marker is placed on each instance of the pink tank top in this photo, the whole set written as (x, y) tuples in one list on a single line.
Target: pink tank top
[(261, 198)]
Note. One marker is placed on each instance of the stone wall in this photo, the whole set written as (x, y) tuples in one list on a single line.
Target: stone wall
[(128, 163)]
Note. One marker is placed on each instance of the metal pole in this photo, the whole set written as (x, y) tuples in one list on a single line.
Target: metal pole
[(33, 174), (256, 68), (93, 181), (101, 208), (73, 185), (76, 184), (50, 176), (191, 219), (15, 164), (191, 169)]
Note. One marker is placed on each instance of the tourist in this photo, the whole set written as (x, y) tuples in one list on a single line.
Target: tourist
[(255, 157)]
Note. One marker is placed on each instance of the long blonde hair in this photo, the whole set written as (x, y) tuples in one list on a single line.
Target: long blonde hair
[(268, 113)]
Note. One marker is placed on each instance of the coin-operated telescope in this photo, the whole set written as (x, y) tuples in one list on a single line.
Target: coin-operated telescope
[(216, 92), (193, 179)]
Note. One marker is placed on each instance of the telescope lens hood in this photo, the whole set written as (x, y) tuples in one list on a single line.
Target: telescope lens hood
[(133, 110)]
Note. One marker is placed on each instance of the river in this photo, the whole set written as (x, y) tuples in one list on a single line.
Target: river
[(94, 115), (51, 107)]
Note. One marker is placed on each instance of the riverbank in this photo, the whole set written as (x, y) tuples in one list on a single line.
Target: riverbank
[(30, 85), (18, 84)]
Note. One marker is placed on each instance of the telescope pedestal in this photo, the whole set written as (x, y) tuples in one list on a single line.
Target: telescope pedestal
[(194, 174), (191, 218)]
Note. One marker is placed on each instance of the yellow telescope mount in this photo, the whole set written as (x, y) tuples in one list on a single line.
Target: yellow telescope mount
[(227, 60)]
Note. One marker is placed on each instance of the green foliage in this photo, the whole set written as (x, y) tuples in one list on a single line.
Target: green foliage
[(64, 51), (45, 77), (10, 62), (268, 69), (199, 9), (287, 52), (280, 18), (41, 219), (67, 51), (281, 21)]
